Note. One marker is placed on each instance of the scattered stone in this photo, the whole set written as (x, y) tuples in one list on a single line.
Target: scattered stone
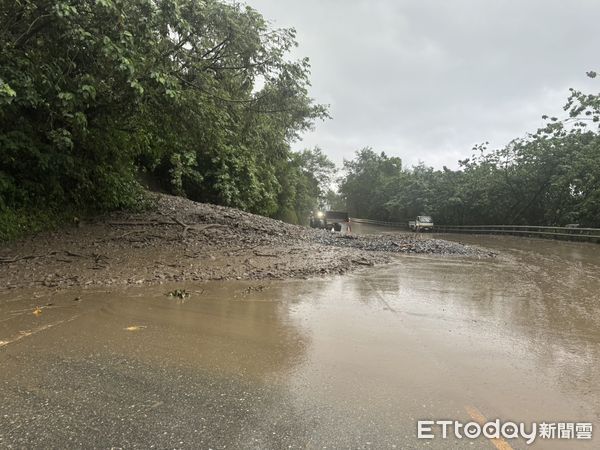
[(148, 248)]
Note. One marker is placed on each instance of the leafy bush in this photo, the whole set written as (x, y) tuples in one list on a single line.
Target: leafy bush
[(198, 94)]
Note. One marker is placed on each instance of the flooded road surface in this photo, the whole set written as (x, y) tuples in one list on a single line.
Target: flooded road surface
[(350, 361)]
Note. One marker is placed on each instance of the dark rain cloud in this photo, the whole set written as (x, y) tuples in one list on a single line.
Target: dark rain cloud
[(425, 80)]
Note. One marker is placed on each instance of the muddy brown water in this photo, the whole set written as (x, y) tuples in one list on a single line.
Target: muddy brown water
[(348, 361)]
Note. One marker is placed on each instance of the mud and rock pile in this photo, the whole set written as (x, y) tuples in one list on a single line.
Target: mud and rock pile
[(181, 240)]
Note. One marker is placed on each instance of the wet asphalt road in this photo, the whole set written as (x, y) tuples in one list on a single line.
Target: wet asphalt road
[(347, 362)]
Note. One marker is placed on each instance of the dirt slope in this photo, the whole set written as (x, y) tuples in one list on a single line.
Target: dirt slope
[(183, 240)]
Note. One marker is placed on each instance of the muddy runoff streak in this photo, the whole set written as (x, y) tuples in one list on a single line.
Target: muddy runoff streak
[(349, 361)]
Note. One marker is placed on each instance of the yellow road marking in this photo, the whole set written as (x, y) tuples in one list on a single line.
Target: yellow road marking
[(476, 415), (26, 333)]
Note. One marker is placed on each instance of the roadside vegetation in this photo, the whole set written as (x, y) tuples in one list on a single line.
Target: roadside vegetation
[(101, 100), (551, 177), (194, 98)]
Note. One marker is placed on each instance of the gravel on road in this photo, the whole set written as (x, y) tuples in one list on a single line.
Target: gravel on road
[(181, 240)]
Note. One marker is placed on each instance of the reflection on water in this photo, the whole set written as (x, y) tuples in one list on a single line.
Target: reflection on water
[(356, 359), (517, 334)]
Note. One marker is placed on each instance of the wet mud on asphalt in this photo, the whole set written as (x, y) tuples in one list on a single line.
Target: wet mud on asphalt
[(347, 361)]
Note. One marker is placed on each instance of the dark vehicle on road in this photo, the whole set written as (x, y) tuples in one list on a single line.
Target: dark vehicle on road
[(328, 220)]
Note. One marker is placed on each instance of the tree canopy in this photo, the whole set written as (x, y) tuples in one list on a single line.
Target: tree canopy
[(198, 96), (550, 177)]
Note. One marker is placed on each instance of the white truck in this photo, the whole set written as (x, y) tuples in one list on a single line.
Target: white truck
[(421, 223)]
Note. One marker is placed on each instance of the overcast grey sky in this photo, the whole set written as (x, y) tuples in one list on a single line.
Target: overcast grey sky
[(427, 79)]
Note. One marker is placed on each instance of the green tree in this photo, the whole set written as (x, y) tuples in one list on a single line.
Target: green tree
[(369, 182), (199, 95), (551, 177), (305, 182)]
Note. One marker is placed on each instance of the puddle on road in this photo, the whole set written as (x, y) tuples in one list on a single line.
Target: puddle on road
[(518, 337)]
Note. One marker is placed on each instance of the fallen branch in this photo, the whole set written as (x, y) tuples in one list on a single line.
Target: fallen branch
[(184, 225), (128, 233), (362, 262), (141, 223), (205, 227), (175, 221), (245, 249), (200, 227), (18, 258), (265, 254), (10, 260)]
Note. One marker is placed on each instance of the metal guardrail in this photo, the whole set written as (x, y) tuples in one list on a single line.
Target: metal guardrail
[(567, 233), (575, 234), (380, 222)]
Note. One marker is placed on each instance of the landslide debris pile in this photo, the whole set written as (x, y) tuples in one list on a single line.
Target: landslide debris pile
[(258, 229), (181, 240), (402, 244)]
